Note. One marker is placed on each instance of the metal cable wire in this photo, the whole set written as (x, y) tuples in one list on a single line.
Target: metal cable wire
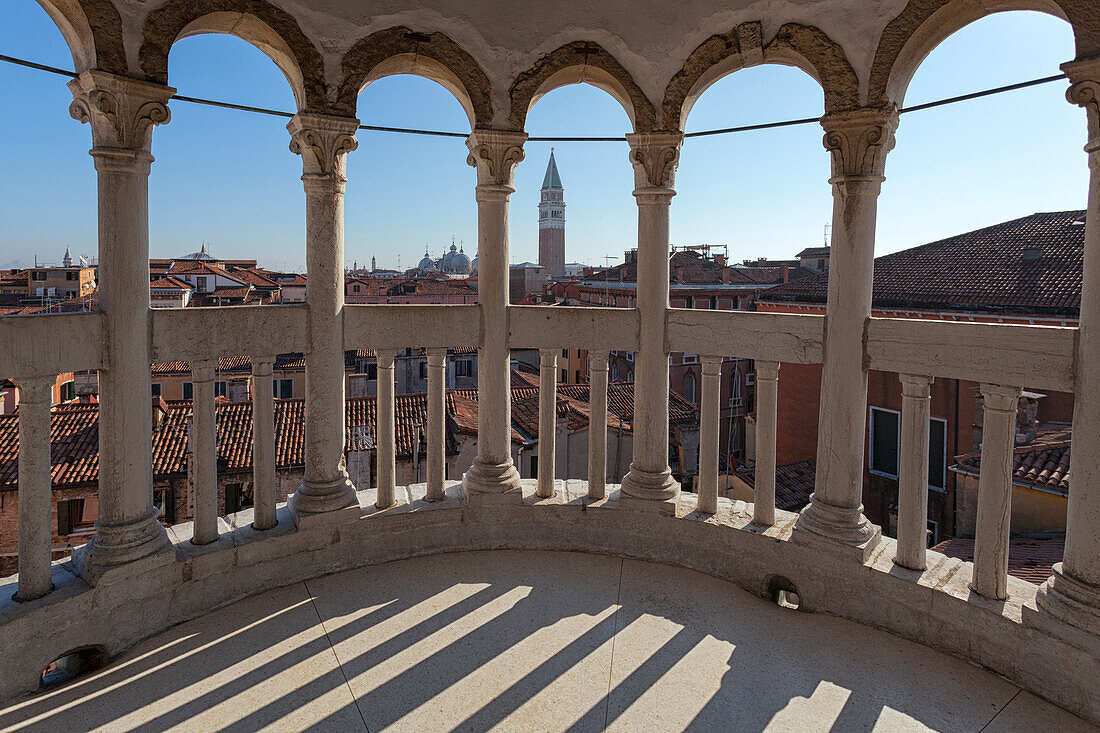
[(443, 133)]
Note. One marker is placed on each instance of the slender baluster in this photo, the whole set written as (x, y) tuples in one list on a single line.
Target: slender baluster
[(386, 439), (204, 452), (548, 419), (767, 393), (263, 443), (995, 491), (913, 472), (597, 425), (437, 394), (708, 435), (34, 487)]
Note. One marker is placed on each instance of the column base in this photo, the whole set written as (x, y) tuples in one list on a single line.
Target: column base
[(329, 502), (1071, 601), (650, 486), (842, 529), (492, 478), (113, 547)]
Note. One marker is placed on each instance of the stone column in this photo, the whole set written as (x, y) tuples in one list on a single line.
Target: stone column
[(437, 430), (204, 452), (548, 421), (323, 142), (916, 403), (263, 444), (495, 154), (35, 488), (122, 113), (991, 531), (858, 142), (767, 393), (597, 425), (708, 435), (654, 157), (385, 436), (1072, 594)]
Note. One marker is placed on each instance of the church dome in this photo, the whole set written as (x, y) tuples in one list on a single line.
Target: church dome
[(201, 255), (427, 263), (461, 263)]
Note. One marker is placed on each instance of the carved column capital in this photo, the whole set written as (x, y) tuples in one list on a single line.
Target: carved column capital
[(1084, 91), (121, 112), (859, 141), (495, 154), (323, 141), (655, 156)]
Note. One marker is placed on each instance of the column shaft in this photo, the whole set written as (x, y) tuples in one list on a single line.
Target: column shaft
[(35, 487), (991, 533), (263, 443), (597, 425), (122, 113), (386, 439), (437, 429), (494, 153), (916, 403), (708, 435), (204, 453), (767, 392), (548, 420)]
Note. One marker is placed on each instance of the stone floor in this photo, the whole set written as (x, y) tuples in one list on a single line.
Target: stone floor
[(529, 641)]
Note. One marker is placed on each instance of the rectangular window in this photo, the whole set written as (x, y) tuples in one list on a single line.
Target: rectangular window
[(38, 275), (71, 276), (76, 516), (565, 353), (372, 372), (534, 467), (68, 391), (165, 503), (937, 454), (156, 389), (691, 358), (284, 389), (221, 389), (564, 376), (200, 284), (423, 370), (237, 497), (188, 391), (885, 442), (464, 368), (355, 288)]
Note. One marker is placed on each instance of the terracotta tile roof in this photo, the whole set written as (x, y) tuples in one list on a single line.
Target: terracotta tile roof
[(814, 252), (987, 270), (1043, 463), (794, 482), (699, 270), (1029, 558), (170, 283), (253, 277)]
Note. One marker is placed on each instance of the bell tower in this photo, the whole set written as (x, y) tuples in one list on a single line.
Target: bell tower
[(552, 222)]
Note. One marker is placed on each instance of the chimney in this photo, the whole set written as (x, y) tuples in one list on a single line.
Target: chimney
[(678, 274), (720, 260), (786, 273), (725, 276), (160, 409), (629, 256)]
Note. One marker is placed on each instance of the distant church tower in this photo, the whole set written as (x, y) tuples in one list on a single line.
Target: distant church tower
[(552, 222)]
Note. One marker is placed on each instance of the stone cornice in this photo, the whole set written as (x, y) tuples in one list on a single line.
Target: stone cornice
[(859, 141), (120, 110), (495, 154), (655, 157), (323, 141)]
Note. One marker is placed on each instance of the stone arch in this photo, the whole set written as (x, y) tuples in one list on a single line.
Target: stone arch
[(93, 31), (434, 56), (265, 26), (576, 62), (805, 47), (924, 24)]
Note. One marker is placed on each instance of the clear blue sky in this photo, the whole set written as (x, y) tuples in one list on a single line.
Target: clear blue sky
[(228, 177)]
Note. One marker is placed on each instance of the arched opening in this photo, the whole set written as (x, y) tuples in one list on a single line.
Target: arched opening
[(689, 387), (71, 665)]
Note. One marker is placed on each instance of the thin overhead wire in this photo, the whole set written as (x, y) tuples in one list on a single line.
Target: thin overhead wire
[(555, 139)]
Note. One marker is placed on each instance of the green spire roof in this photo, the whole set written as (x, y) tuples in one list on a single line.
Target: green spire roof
[(551, 179)]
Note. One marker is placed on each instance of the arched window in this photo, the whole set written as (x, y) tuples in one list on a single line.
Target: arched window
[(689, 387)]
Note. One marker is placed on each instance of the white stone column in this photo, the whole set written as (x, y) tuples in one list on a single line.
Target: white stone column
[(916, 404), (767, 394), (495, 154), (437, 429), (204, 451), (708, 435), (122, 113), (1072, 594), (385, 436), (597, 425), (548, 420), (991, 532), (263, 443), (858, 142), (35, 488), (323, 142), (654, 156)]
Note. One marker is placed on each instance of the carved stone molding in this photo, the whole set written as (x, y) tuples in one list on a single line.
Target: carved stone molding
[(495, 154), (1085, 92), (322, 141), (655, 157), (120, 110), (859, 141)]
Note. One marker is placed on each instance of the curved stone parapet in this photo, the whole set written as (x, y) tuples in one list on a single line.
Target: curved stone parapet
[(934, 607)]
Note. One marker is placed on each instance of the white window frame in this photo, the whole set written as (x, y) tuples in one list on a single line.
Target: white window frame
[(691, 358), (871, 441)]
